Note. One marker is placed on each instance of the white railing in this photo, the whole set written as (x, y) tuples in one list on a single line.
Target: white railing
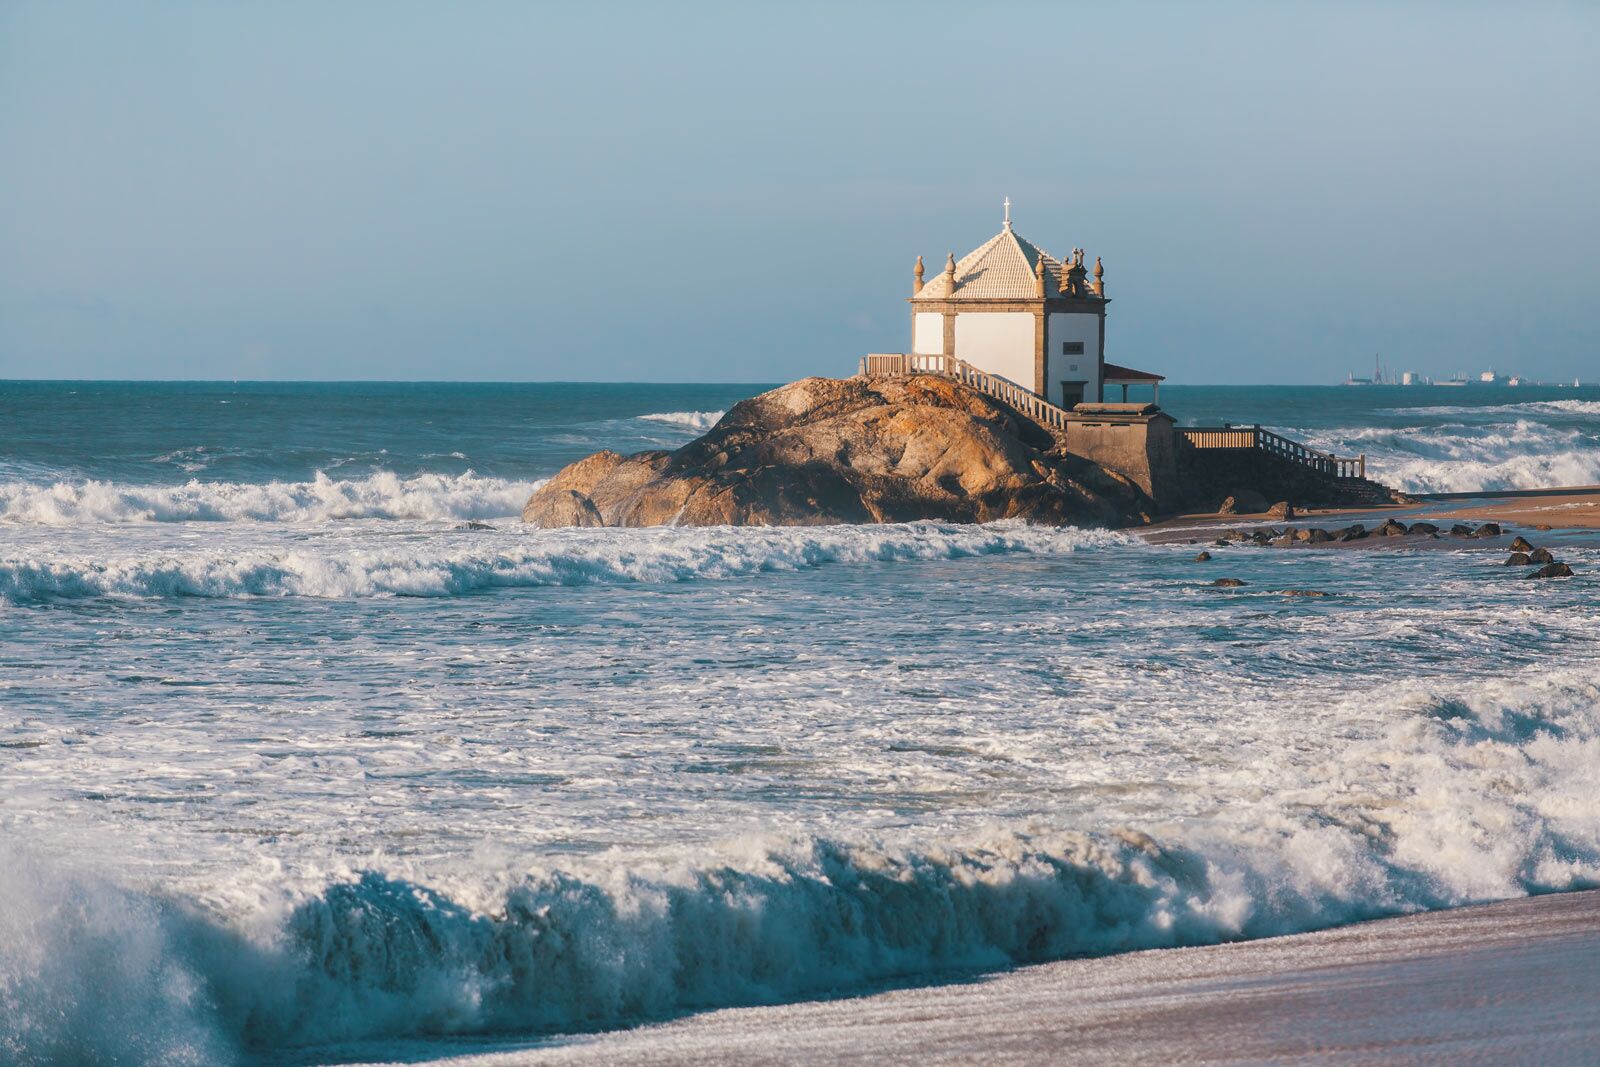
[(1023, 399)]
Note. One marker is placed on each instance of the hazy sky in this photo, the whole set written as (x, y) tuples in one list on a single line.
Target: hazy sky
[(714, 192)]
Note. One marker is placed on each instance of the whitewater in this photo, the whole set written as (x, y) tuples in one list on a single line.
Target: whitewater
[(310, 750)]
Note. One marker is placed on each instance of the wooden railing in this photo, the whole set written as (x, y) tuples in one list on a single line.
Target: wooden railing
[(1277, 445), (1023, 399)]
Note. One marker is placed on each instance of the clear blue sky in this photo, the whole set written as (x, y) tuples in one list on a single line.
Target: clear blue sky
[(737, 191)]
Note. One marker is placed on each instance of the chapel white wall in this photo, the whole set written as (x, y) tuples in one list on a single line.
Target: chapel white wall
[(1000, 342), (1066, 327), (927, 332)]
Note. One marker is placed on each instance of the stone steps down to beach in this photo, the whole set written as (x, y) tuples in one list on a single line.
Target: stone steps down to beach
[(923, 446)]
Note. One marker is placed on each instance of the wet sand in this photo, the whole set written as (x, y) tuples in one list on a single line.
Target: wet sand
[(1566, 509), (1507, 983), (1576, 509)]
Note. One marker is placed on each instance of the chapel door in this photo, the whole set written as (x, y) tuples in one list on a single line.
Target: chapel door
[(1072, 393)]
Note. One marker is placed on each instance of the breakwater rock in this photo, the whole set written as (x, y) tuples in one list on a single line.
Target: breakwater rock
[(824, 450)]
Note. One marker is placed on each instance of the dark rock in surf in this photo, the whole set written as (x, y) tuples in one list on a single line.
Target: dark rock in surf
[(1488, 529), (1518, 559), (1227, 583), (1551, 570), (1541, 555), (1243, 502), (1203, 557), (1521, 545)]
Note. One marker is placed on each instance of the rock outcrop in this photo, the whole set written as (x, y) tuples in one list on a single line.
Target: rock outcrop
[(825, 450)]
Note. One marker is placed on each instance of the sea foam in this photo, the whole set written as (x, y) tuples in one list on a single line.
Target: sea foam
[(323, 499), (1456, 457), (1468, 796), (698, 421), (447, 564)]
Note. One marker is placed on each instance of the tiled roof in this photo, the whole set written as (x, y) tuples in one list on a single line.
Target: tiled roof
[(1002, 268)]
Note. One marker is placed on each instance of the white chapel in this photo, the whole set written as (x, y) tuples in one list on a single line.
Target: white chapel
[(1013, 310)]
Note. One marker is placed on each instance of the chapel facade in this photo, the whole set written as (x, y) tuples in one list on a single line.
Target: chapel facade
[(1010, 308)]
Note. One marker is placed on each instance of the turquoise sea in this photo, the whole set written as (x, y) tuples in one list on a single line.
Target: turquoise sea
[(311, 751)]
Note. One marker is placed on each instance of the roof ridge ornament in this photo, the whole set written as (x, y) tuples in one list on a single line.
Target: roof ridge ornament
[(1008, 212)]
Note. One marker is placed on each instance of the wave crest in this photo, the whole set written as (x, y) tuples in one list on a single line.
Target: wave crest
[(1466, 796), (378, 496), (455, 564), (698, 421)]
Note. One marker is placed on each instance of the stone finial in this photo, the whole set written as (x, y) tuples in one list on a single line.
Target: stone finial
[(1099, 278), (916, 286), (1038, 278), (950, 274)]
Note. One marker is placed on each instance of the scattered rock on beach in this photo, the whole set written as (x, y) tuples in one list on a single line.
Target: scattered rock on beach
[(1488, 529), (1521, 545), (1461, 530), (1281, 510), (1228, 583), (1354, 532), (1203, 557), (1390, 528), (1543, 526), (1551, 570), (1317, 535), (1424, 528), (1541, 555), (1302, 592), (1517, 559), (1222, 542)]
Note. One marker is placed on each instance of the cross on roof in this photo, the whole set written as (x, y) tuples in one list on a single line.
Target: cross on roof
[(1008, 213)]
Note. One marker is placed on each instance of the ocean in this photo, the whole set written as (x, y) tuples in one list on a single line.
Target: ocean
[(310, 750)]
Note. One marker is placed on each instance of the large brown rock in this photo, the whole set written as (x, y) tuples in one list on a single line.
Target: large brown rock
[(825, 450)]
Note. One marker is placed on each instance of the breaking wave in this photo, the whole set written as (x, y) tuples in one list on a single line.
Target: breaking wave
[(380, 496), (1556, 407), (1464, 458), (455, 564), (1468, 796), (698, 421)]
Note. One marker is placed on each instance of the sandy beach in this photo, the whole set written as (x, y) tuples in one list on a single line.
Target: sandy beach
[(1575, 508), (1506, 983)]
